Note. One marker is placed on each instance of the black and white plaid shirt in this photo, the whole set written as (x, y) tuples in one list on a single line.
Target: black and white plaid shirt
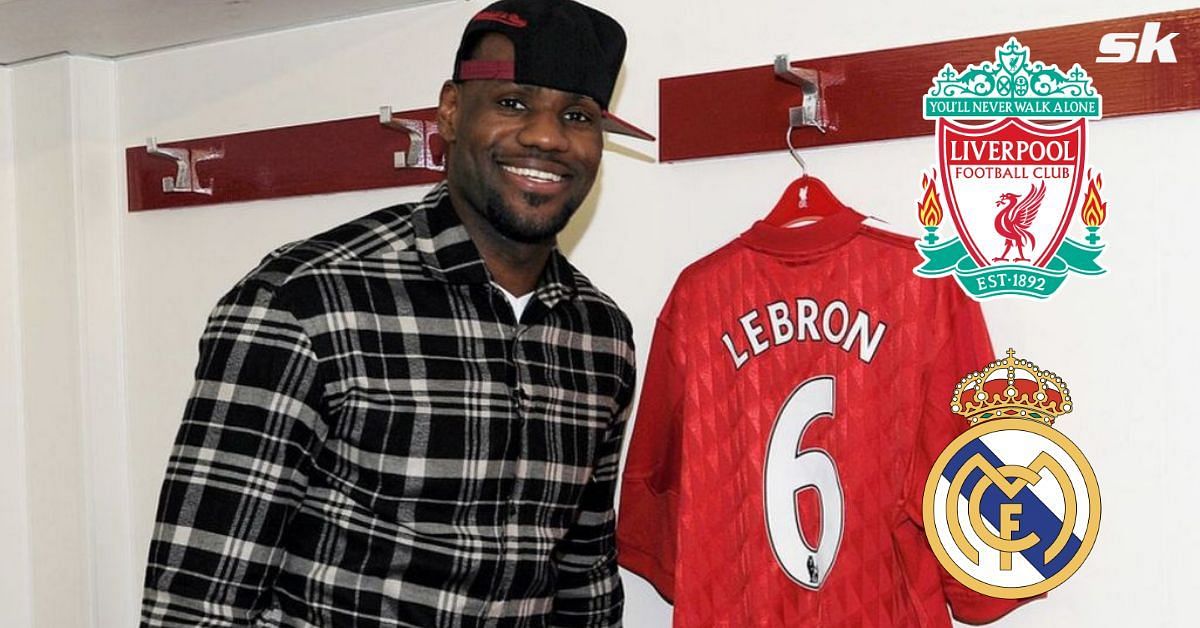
[(373, 439)]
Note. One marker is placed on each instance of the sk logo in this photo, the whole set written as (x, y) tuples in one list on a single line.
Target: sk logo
[(1012, 507), (1012, 148)]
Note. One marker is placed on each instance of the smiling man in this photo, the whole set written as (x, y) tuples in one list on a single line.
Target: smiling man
[(415, 418)]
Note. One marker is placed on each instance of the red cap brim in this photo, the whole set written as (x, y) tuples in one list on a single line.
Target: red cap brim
[(613, 124)]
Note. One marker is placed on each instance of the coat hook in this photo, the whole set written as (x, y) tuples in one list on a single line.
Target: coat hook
[(420, 149), (185, 179), (812, 112)]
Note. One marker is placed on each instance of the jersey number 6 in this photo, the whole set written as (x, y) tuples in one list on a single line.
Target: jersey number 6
[(789, 470)]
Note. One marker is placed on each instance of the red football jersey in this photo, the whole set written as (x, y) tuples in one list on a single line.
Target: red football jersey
[(797, 394)]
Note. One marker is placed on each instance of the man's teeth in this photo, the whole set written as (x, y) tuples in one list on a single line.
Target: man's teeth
[(539, 175)]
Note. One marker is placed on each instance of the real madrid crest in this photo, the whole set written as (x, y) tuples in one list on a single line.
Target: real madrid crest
[(1012, 507)]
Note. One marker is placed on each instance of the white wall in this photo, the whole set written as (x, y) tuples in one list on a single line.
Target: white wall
[(99, 210), (15, 586), (131, 291), (50, 357), (66, 411)]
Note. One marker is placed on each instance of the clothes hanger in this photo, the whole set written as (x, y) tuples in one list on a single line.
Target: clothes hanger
[(807, 199)]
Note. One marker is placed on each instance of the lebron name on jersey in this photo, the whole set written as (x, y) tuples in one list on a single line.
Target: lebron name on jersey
[(808, 322)]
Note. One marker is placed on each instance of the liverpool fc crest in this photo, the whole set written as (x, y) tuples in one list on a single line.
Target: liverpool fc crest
[(1012, 145)]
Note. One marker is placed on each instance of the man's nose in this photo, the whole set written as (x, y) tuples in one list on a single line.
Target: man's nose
[(544, 130)]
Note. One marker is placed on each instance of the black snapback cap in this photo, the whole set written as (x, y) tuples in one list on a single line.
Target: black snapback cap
[(559, 44)]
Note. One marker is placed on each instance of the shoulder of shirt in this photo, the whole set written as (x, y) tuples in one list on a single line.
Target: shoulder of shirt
[(889, 234), (586, 291), (904, 243), (384, 230), (715, 261), (873, 230)]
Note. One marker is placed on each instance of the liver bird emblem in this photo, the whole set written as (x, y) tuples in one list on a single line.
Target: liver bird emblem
[(1012, 223)]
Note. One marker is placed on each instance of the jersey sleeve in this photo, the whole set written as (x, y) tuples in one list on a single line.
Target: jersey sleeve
[(966, 346), (647, 525)]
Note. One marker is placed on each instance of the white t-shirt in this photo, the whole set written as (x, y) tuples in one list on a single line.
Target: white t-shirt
[(518, 303)]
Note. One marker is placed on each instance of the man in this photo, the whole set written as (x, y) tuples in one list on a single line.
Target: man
[(381, 431)]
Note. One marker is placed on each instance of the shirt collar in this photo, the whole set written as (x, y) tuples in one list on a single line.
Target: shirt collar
[(449, 255), (557, 282), (811, 240)]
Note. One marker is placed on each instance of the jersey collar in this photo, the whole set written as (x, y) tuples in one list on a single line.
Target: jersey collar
[(809, 240)]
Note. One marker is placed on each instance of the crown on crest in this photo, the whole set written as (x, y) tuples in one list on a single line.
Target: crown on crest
[(1011, 389), (1012, 85)]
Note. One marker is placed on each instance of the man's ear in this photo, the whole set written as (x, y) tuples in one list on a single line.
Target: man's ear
[(447, 112)]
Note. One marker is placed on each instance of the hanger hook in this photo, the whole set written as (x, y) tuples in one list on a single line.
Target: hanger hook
[(795, 153)]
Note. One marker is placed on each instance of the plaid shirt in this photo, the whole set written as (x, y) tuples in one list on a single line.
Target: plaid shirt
[(373, 439)]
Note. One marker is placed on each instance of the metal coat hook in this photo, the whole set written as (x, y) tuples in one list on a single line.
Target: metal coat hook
[(812, 112), (802, 191), (420, 132), (185, 179), (795, 153)]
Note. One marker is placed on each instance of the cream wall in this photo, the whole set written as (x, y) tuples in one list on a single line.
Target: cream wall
[(67, 440), (120, 298), (15, 586), (50, 341), (99, 212)]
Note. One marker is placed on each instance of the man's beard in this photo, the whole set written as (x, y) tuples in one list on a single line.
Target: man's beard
[(509, 223)]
